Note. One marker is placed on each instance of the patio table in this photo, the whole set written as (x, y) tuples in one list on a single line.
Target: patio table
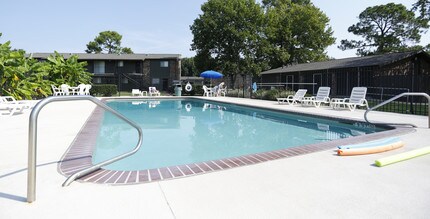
[(74, 90), (337, 103), (307, 101)]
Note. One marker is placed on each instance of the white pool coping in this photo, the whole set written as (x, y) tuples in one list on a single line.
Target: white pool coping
[(319, 184)]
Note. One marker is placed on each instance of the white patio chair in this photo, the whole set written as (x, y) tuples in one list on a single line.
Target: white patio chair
[(153, 91), (207, 91), (65, 89), (357, 98), (136, 92), (292, 99), (56, 91), (81, 89), (222, 90), (321, 97), (87, 89)]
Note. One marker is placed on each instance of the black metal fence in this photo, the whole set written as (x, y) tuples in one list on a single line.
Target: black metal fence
[(381, 86)]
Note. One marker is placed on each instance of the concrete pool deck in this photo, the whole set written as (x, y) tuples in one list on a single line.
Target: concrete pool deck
[(319, 184)]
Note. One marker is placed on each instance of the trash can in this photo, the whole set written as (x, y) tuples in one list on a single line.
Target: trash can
[(178, 90)]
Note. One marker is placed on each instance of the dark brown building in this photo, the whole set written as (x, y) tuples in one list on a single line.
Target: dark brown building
[(129, 71), (384, 75)]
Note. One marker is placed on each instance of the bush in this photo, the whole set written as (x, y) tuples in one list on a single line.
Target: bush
[(272, 94), (105, 90)]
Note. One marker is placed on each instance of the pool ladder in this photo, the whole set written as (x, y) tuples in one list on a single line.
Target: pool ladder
[(32, 143), (394, 98)]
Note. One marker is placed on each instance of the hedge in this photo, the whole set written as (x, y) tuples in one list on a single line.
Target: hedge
[(105, 90)]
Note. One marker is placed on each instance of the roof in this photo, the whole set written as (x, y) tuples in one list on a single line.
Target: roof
[(376, 60), (91, 56)]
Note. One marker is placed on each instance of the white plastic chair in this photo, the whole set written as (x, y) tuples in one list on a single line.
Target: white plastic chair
[(56, 91), (292, 99), (222, 90), (87, 89), (136, 92), (207, 91), (357, 98), (10, 104), (81, 89), (65, 89), (321, 97), (153, 91)]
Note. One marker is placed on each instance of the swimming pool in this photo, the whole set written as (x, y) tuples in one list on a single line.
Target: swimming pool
[(82, 151), (187, 131)]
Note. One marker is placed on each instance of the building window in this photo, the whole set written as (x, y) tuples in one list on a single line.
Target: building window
[(99, 67), (97, 80), (124, 80), (120, 63), (138, 67), (164, 64), (155, 81)]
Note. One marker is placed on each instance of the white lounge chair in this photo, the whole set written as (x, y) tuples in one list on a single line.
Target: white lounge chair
[(11, 105), (12, 100), (153, 91), (357, 98), (136, 92), (292, 99), (321, 97)]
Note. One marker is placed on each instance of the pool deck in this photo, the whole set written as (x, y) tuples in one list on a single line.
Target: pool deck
[(315, 185)]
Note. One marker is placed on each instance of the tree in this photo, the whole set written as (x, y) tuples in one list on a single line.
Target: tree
[(21, 77), (423, 7), (297, 32), (279, 3), (109, 42), (66, 71), (242, 36), (228, 33), (26, 78), (385, 28), (188, 68)]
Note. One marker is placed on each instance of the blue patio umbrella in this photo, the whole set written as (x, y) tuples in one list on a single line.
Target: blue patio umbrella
[(211, 74)]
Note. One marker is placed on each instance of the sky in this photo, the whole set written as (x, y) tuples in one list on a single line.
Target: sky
[(161, 26)]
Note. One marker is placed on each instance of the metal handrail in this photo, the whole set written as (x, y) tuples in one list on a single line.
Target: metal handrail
[(396, 97), (32, 142)]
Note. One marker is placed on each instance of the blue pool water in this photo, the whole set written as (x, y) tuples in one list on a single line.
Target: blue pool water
[(177, 132)]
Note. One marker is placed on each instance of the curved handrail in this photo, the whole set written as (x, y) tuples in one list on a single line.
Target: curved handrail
[(394, 98), (32, 142)]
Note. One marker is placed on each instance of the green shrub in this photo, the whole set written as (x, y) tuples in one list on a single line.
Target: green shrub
[(105, 90), (272, 94), (237, 93), (258, 94)]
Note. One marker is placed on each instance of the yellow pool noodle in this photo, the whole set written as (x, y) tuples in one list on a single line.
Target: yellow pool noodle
[(401, 157)]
